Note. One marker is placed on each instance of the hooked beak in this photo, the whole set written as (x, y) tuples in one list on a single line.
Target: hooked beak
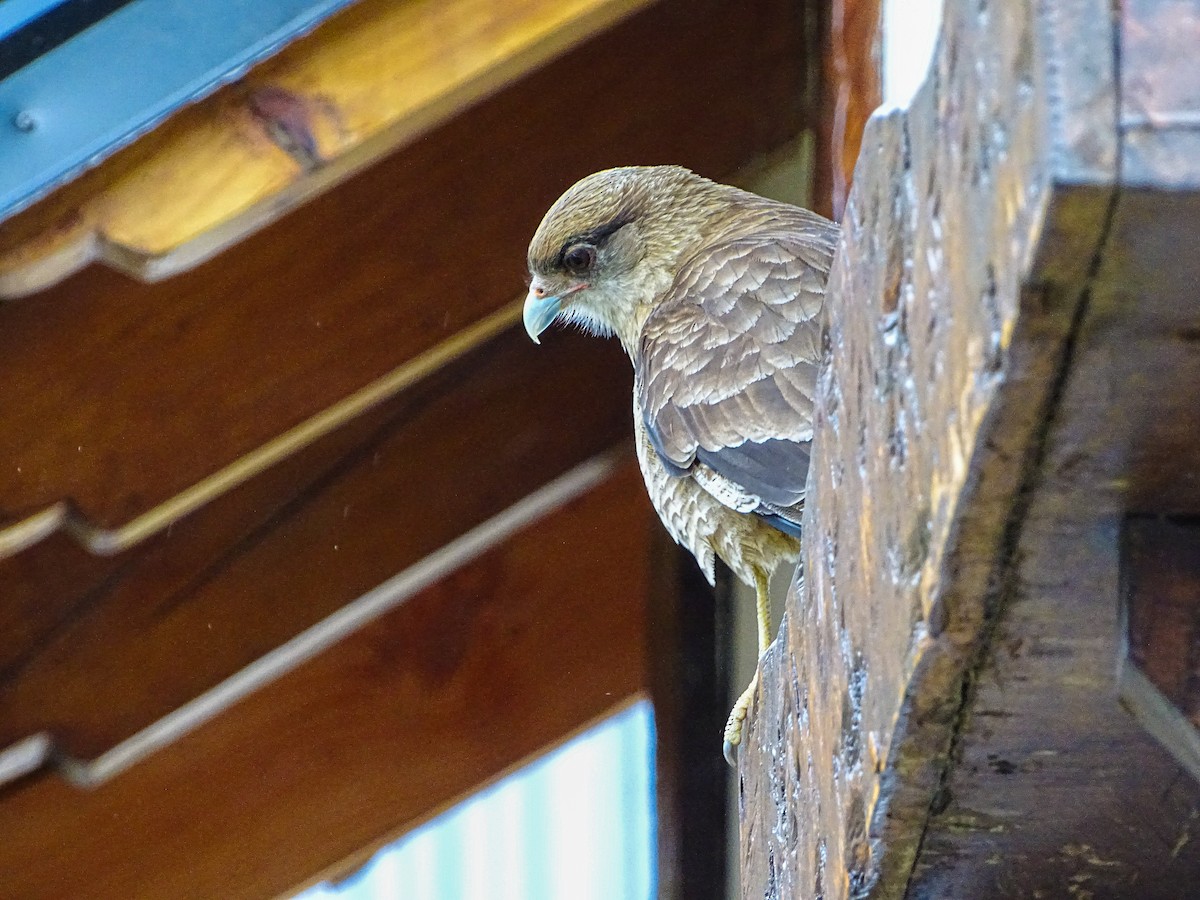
[(541, 310)]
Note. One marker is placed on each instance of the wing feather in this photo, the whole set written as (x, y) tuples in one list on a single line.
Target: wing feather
[(727, 368)]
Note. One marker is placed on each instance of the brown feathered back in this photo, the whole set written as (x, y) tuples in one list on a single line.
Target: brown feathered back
[(728, 360)]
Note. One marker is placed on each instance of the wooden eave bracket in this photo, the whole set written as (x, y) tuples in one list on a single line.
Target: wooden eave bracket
[(978, 235), (373, 78)]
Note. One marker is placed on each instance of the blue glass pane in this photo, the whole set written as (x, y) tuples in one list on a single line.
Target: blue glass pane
[(576, 825)]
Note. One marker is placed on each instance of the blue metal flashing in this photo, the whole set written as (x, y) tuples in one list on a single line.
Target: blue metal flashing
[(16, 13), (31, 28), (68, 109)]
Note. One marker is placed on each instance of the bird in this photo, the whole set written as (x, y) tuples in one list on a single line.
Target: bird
[(718, 297)]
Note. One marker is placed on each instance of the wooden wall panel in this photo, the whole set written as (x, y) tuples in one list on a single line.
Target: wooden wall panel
[(509, 654)]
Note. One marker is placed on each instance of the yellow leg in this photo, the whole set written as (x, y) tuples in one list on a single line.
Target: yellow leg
[(737, 716)]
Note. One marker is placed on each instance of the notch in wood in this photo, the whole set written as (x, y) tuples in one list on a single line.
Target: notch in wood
[(1159, 672)]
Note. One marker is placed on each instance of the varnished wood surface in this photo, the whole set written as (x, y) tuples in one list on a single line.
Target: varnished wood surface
[(515, 651), (852, 89), (101, 647), (120, 395)]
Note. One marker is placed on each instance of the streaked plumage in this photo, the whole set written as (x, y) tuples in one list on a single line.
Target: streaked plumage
[(717, 295)]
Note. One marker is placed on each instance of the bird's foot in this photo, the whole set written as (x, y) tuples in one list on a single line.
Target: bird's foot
[(737, 718)]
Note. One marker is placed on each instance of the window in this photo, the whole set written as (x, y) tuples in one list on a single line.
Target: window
[(577, 824)]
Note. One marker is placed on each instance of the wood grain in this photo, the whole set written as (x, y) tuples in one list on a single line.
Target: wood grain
[(120, 396), (939, 374), (505, 657)]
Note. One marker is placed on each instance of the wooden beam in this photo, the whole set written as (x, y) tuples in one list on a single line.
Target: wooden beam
[(968, 240), (691, 626), (376, 77), (1056, 775), (198, 472), (162, 442), (963, 538), (852, 90)]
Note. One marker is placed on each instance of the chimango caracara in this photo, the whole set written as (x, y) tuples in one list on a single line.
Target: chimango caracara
[(717, 296)]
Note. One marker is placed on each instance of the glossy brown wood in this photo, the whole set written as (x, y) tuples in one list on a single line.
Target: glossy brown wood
[(118, 394), (852, 89), (507, 655), (127, 640)]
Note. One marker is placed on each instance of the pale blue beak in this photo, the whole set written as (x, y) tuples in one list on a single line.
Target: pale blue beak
[(539, 313)]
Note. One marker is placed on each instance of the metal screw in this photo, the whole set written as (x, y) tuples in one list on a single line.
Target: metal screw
[(24, 121)]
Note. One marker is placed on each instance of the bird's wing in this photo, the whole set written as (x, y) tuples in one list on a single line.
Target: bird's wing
[(727, 370)]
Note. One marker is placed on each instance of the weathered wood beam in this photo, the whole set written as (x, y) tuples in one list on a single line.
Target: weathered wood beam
[(1089, 800), (971, 230), (1049, 774)]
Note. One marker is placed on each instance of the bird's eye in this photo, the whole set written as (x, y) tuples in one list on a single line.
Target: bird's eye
[(579, 259)]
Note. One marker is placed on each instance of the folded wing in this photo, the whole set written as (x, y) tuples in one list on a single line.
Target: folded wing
[(727, 369)]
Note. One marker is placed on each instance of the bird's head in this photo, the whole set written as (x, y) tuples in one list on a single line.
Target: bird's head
[(610, 246)]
